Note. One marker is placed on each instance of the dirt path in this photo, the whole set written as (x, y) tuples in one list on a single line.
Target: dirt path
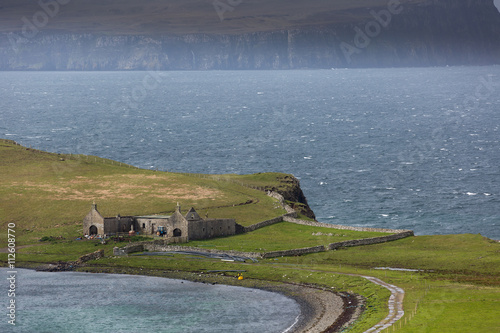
[(396, 311), (395, 304)]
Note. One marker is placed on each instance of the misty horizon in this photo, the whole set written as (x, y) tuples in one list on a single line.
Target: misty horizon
[(222, 35)]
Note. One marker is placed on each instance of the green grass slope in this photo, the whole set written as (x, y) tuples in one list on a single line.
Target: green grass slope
[(41, 192)]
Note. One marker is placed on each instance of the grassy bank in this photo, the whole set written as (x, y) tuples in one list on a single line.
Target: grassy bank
[(455, 286)]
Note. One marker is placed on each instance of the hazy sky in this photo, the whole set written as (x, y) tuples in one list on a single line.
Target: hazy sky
[(497, 3)]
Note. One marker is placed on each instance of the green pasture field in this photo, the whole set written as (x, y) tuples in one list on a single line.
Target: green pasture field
[(283, 236)]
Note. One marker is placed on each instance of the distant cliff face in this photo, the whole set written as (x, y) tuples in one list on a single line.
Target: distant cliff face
[(428, 33)]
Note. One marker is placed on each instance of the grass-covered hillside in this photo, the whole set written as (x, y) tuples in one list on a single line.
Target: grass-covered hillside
[(45, 193), (453, 282)]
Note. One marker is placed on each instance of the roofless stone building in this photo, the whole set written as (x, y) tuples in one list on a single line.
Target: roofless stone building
[(180, 227)]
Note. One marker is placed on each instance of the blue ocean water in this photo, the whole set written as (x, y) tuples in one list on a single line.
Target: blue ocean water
[(413, 148), (82, 302)]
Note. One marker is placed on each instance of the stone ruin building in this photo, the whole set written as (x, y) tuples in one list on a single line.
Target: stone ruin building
[(176, 226)]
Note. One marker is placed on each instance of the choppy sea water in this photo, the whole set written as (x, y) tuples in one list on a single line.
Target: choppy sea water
[(396, 148), (82, 302)]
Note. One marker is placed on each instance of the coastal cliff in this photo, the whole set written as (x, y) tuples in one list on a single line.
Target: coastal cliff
[(417, 33), (289, 188)]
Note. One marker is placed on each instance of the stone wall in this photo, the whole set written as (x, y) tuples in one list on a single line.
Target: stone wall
[(341, 227), (294, 252), (121, 251), (266, 223), (71, 265), (282, 202), (142, 246), (333, 246), (149, 225), (370, 241), (113, 225), (165, 248), (210, 228), (91, 256), (263, 224)]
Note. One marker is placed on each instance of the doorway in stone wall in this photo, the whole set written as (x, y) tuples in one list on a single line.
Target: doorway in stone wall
[(93, 230), (177, 233)]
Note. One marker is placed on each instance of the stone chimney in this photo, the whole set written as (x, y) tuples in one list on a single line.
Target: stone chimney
[(178, 208)]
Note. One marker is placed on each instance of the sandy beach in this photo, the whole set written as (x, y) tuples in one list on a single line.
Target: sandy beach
[(321, 310)]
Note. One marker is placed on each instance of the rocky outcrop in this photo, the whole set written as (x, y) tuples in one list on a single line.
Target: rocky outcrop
[(415, 33), (292, 193)]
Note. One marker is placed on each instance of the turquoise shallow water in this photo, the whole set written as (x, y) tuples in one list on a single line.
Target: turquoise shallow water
[(413, 148), (81, 302)]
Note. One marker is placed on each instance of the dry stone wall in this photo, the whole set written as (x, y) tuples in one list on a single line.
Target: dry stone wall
[(281, 199), (341, 227), (263, 224), (291, 216), (121, 251), (294, 252), (166, 248), (141, 246), (370, 241), (91, 256)]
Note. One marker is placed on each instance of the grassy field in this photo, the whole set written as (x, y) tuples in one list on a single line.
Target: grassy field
[(439, 299), (466, 258), (455, 288), (283, 236), (41, 191)]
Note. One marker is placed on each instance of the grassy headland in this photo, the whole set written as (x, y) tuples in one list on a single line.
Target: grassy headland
[(456, 287)]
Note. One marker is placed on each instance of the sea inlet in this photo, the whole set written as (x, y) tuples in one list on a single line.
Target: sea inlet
[(84, 302)]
